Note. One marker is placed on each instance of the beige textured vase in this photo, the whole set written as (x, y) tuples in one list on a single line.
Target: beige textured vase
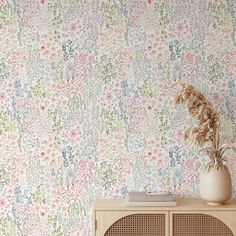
[(215, 185)]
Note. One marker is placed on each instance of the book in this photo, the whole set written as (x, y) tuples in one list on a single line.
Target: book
[(150, 199), (150, 203)]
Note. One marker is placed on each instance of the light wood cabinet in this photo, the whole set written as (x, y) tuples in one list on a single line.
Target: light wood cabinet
[(190, 217)]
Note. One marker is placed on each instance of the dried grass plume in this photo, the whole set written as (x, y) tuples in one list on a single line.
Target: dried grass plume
[(206, 133)]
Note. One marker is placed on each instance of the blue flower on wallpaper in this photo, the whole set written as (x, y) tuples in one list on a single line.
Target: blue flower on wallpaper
[(175, 156)]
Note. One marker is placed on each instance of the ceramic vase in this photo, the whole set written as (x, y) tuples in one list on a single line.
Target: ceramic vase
[(215, 185)]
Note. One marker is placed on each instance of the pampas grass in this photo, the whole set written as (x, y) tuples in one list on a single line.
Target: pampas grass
[(206, 133)]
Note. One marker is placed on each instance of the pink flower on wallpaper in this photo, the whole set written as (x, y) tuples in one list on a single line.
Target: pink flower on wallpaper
[(155, 47), (136, 121), (217, 99), (229, 62), (83, 172), (62, 197), (157, 159), (197, 165), (107, 101), (2, 97), (74, 136), (110, 97), (49, 48), (47, 152), (233, 103), (5, 205), (150, 105), (136, 14), (74, 30), (8, 39), (83, 67), (217, 40), (74, 232), (16, 167), (189, 164), (177, 136), (30, 13), (2, 203), (181, 29), (34, 221), (28, 111), (124, 61), (82, 164), (5, 100), (154, 152), (123, 167), (17, 61), (190, 66), (110, 145), (64, 89)]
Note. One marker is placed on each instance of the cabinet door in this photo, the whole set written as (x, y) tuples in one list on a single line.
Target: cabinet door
[(203, 223), (131, 223)]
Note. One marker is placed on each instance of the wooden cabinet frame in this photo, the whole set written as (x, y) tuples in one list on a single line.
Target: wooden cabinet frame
[(107, 212)]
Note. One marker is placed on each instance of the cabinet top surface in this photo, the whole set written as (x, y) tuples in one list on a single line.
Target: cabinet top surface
[(182, 204)]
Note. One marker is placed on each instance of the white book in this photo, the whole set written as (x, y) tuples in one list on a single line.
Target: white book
[(151, 197), (127, 203)]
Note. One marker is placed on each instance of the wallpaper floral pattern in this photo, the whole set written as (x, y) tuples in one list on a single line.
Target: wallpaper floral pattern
[(86, 103)]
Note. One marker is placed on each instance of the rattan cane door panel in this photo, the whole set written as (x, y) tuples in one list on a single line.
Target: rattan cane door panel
[(138, 225), (203, 223), (132, 223)]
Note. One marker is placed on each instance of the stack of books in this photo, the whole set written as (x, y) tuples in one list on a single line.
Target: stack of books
[(150, 199)]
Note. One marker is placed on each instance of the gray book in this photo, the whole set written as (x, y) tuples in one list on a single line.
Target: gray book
[(150, 199)]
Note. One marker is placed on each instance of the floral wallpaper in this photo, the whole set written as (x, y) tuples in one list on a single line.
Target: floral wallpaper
[(86, 103)]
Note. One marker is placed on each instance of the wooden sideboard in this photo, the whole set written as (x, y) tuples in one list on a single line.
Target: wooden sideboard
[(190, 217)]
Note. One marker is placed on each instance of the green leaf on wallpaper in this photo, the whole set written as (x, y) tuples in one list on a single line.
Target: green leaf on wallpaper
[(112, 121), (59, 176), (109, 72), (59, 71), (40, 89), (57, 124), (56, 127), (57, 231), (4, 71), (216, 72), (7, 228), (148, 89), (4, 177), (109, 177), (163, 122), (53, 7), (163, 126), (6, 15), (76, 102), (163, 19), (76, 209), (219, 14), (56, 21), (7, 123), (39, 196), (111, 14)]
